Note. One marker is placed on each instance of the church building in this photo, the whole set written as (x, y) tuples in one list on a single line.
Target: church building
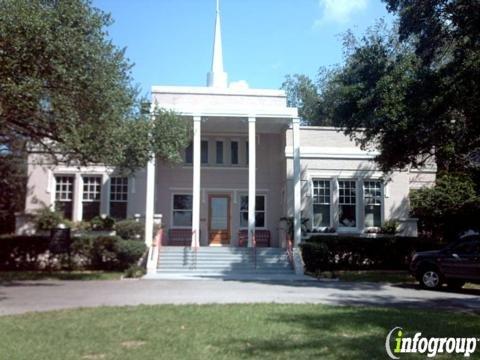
[(251, 163)]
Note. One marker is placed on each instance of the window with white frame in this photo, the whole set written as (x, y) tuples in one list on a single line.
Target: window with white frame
[(64, 195), (260, 211), (118, 197), (182, 210), (347, 203), (92, 188), (372, 194), (321, 203)]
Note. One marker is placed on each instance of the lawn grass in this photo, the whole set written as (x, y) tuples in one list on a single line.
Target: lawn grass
[(263, 331), (10, 276)]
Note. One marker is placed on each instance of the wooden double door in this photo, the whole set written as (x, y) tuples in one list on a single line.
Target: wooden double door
[(219, 219)]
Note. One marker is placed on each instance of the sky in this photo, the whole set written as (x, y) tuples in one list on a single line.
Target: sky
[(170, 41)]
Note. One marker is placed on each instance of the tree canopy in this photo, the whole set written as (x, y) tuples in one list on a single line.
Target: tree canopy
[(67, 90), (414, 88)]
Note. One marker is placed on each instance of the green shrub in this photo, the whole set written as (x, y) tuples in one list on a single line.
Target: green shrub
[(130, 229), (390, 227), (448, 208), (108, 252), (105, 223), (21, 252), (315, 257), (95, 253), (46, 219), (328, 253), (134, 271)]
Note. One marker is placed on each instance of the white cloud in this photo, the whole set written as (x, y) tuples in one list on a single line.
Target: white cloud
[(339, 11), (238, 85)]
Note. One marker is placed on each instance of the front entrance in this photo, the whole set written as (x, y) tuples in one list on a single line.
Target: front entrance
[(219, 220)]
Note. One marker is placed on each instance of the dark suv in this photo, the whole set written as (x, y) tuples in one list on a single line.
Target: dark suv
[(456, 264)]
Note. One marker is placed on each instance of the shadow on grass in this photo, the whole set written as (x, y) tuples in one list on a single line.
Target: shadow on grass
[(349, 333)]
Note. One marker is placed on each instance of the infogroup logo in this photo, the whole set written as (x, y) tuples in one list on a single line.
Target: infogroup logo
[(401, 344)]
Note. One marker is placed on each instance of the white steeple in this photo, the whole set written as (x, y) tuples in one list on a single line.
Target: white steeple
[(217, 77)]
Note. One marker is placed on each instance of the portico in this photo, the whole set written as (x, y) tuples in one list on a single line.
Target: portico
[(228, 110), (218, 123)]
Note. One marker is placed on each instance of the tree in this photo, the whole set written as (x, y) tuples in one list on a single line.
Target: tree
[(12, 185), (302, 94), (414, 87), (446, 209), (67, 90)]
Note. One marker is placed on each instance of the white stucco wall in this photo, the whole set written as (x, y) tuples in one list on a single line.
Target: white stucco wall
[(330, 155)]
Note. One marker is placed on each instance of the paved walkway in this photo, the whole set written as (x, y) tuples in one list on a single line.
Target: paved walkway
[(25, 296)]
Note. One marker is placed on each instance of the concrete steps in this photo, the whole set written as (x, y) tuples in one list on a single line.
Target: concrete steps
[(223, 261)]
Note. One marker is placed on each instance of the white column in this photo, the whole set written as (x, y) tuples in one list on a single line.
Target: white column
[(197, 124), (251, 179), (77, 198), (149, 201), (105, 195), (297, 191)]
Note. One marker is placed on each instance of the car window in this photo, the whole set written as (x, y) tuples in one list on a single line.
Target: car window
[(464, 247)]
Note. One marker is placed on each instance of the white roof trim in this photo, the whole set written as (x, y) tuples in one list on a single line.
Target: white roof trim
[(204, 90)]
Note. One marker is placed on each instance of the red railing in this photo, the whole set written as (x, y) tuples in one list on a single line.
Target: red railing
[(289, 249), (195, 246), (254, 245)]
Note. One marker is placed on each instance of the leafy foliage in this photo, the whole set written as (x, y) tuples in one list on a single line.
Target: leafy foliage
[(46, 219), (302, 94), (12, 186), (94, 253), (331, 253), (130, 229), (446, 209), (67, 90), (102, 223), (414, 87)]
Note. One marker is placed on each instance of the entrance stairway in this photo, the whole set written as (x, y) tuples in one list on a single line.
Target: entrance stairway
[(224, 262)]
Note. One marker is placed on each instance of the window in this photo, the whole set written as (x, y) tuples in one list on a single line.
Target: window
[(246, 152), (219, 151), (321, 203), (189, 154), (372, 193), (182, 210), (91, 196), (260, 212), (234, 152), (347, 201), (204, 152), (64, 195), (118, 197)]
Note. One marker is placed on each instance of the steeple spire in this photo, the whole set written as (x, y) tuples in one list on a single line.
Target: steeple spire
[(217, 77)]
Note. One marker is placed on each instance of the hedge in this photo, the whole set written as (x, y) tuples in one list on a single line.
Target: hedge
[(330, 253), (93, 253)]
